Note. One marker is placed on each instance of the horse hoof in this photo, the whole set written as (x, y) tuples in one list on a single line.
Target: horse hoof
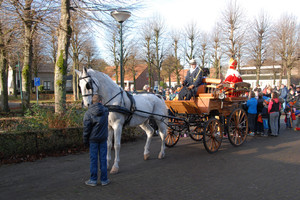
[(114, 170), (161, 155), (146, 156)]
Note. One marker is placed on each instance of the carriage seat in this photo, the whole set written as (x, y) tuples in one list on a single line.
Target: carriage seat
[(209, 85)]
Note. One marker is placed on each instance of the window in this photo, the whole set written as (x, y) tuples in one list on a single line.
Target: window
[(46, 85)]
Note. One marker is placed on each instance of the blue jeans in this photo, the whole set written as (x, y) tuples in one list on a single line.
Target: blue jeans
[(266, 123), (97, 148)]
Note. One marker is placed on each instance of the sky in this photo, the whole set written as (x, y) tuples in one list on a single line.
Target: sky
[(177, 14)]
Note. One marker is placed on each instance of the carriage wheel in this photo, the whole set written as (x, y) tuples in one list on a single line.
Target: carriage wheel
[(173, 133), (172, 137), (213, 135), (195, 133), (237, 127)]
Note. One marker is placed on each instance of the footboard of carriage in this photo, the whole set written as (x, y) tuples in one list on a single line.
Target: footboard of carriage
[(216, 111)]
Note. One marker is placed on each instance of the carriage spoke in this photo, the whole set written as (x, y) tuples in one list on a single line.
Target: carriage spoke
[(237, 132)]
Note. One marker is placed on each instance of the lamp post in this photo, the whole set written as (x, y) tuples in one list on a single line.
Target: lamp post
[(121, 16)]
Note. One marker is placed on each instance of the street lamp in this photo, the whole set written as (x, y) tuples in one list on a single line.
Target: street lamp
[(121, 16)]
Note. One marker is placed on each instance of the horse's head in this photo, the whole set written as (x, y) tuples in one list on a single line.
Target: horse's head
[(85, 84)]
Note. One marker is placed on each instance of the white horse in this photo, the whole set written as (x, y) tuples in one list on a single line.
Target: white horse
[(94, 82)]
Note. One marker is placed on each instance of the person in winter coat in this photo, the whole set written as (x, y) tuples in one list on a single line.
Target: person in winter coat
[(192, 81), (95, 131), (274, 109), (283, 94), (252, 112), (265, 117), (260, 106)]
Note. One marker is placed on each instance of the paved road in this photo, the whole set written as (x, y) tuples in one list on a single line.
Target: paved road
[(263, 168)]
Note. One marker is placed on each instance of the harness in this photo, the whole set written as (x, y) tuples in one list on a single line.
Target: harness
[(118, 108), (113, 108)]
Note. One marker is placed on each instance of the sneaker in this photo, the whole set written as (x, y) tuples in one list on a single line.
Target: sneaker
[(264, 135), (91, 183), (251, 134), (105, 182)]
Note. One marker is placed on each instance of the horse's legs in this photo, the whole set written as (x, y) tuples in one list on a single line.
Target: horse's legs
[(149, 131), (109, 144), (117, 145), (162, 128)]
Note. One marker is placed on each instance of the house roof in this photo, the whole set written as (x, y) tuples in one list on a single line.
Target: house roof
[(110, 71)]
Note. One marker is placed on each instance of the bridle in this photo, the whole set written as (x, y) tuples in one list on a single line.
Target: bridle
[(89, 85)]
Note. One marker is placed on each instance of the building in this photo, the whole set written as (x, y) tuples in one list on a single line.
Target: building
[(46, 75)]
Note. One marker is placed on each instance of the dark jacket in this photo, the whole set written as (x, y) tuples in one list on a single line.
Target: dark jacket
[(194, 78), (95, 124), (260, 105)]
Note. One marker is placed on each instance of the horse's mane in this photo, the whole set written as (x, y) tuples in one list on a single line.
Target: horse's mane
[(105, 76)]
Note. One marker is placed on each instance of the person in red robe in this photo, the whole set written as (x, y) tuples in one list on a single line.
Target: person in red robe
[(232, 76)]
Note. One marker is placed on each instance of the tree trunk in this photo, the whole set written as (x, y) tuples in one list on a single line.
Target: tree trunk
[(3, 77), (257, 74), (62, 57), (281, 74), (27, 62), (289, 74)]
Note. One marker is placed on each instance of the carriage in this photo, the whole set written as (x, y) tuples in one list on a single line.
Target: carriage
[(215, 111)]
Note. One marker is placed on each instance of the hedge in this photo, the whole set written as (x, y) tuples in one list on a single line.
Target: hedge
[(14, 146)]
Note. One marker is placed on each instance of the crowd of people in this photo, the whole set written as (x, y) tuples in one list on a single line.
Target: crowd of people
[(265, 107)]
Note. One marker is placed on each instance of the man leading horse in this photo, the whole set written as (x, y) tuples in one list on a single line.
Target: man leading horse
[(192, 81)]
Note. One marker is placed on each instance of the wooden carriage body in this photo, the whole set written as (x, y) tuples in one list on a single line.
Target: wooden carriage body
[(214, 111), (207, 99)]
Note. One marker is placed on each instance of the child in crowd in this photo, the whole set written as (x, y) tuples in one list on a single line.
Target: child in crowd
[(252, 112), (288, 119), (265, 117), (260, 105)]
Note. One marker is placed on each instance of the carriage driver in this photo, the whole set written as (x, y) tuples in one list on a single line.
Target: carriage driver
[(192, 81)]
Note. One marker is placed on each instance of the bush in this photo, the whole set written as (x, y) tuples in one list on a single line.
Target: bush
[(42, 118)]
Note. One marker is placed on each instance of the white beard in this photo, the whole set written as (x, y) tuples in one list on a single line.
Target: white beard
[(232, 72), (192, 70)]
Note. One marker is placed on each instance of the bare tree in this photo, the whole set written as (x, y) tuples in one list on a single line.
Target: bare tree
[(30, 14), (64, 34), (286, 33), (217, 51), (175, 44), (78, 41), (6, 34), (146, 35), (259, 42), (231, 27), (168, 67), (204, 50), (192, 37), (132, 62), (158, 31)]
